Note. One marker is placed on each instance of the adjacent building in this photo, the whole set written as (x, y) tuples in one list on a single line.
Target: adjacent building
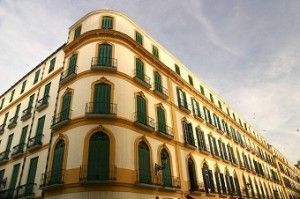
[(112, 114)]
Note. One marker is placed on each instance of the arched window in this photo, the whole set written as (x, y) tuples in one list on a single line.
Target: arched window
[(57, 163), (192, 175), (102, 98), (166, 171), (139, 69), (237, 185), (208, 179), (161, 120), (141, 109), (72, 65), (251, 186), (246, 186), (220, 181), (98, 158), (144, 163), (104, 55)]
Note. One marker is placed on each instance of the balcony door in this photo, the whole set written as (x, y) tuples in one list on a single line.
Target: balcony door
[(57, 163), (141, 110), (105, 55), (102, 97)]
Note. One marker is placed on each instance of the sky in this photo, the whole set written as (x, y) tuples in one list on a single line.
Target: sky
[(247, 51)]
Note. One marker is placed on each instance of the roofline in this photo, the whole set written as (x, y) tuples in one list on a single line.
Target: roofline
[(58, 49)]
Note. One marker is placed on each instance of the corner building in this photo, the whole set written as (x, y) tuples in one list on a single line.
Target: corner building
[(112, 114)]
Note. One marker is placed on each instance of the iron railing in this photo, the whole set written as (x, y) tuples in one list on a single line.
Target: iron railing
[(42, 103), (142, 78), (8, 193), (2, 127), (142, 118), (13, 122), (4, 155), (3, 183), (97, 174), (160, 89), (35, 141), (26, 113), (104, 63), (18, 149), (66, 74), (165, 130), (101, 108), (63, 116), (52, 178), (146, 178), (25, 190)]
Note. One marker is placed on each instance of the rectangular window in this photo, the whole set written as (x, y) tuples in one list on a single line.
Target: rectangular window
[(36, 76), (2, 175), (52, 65), (196, 108), (13, 181), (40, 126), (17, 110), (181, 97), (228, 113), (2, 103), (207, 115), (23, 135), (191, 80), (155, 52), (107, 22), (47, 90), (234, 116), (77, 32), (220, 104), (188, 133), (9, 141), (5, 118), (177, 69), (139, 38), (23, 86), (202, 90), (201, 140), (221, 149), (12, 95), (213, 145), (30, 102), (157, 82), (31, 174), (211, 97)]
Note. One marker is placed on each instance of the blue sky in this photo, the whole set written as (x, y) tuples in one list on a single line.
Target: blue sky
[(247, 51)]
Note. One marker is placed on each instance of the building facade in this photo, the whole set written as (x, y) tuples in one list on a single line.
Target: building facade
[(112, 114)]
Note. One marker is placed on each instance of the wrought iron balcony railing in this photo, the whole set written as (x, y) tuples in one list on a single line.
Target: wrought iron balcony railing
[(165, 130), (26, 114), (18, 149), (160, 90), (61, 118), (13, 122), (104, 63), (143, 79), (101, 109), (68, 74), (35, 141), (26, 190), (42, 103), (2, 128), (142, 120), (52, 179), (97, 174), (4, 156)]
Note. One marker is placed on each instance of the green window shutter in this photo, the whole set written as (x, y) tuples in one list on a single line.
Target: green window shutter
[(23, 86), (17, 110), (52, 65), (98, 158), (2, 103), (139, 69), (9, 141), (47, 90), (144, 163), (157, 81), (155, 52), (31, 99), (191, 80), (14, 178), (201, 139), (194, 106), (72, 64), (107, 22), (161, 120), (77, 32), (166, 172), (178, 96), (217, 178), (2, 174), (177, 69), (223, 183), (202, 90), (23, 135), (105, 55), (139, 38), (57, 163), (36, 76), (102, 94), (191, 139), (192, 175), (65, 108), (31, 175), (12, 95), (40, 128), (141, 110), (5, 118)]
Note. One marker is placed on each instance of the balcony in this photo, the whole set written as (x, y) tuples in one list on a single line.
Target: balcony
[(198, 117), (4, 156), (52, 179), (42, 103), (170, 182), (7, 193), (2, 128), (68, 75), (165, 131), (147, 179), (161, 91), (61, 119), (35, 142), (3, 183), (143, 80), (104, 64), (18, 150), (185, 107), (13, 122), (100, 109), (205, 149), (26, 114), (143, 121), (90, 176), (26, 191)]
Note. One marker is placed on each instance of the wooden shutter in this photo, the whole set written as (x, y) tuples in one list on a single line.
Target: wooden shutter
[(65, 108), (31, 175), (14, 178), (30, 103), (138, 38), (105, 55), (157, 81), (166, 172), (40, 126), (9, 141), (23, 135), (107, 22), (57, 163), (144, 163), (102, 95), (141, 110), (161, 119), (47, 90), (139, 69), (72, 64)]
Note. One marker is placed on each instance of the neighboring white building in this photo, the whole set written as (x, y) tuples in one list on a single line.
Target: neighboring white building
[(113, 114)]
